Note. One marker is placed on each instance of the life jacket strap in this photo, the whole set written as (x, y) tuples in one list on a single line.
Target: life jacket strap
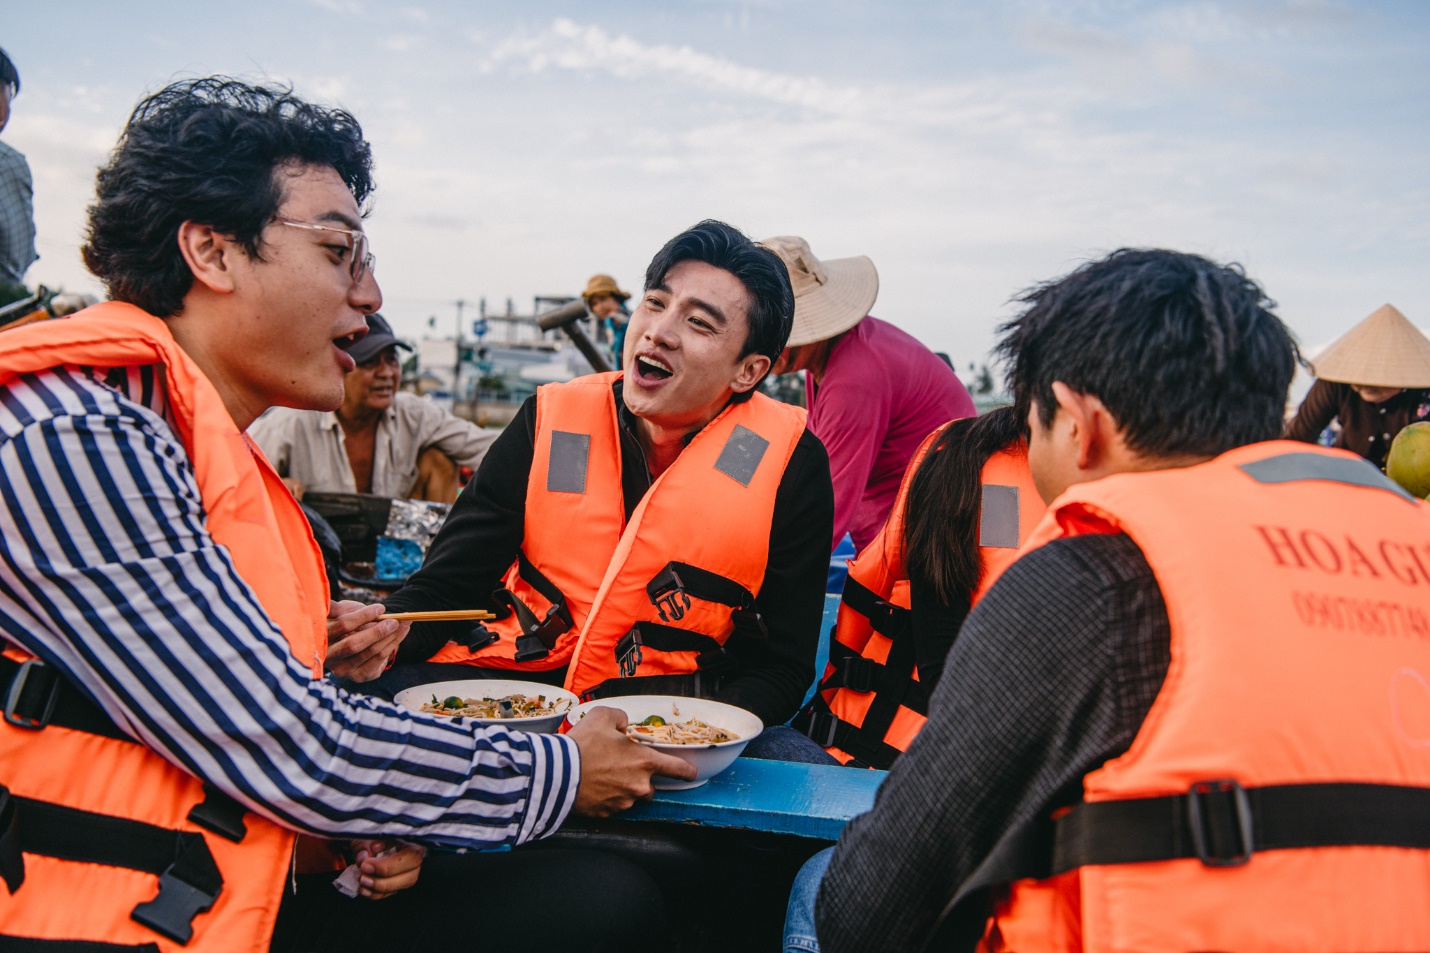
[(1222, 824), (691, 685), (884, 617), (29, 944), (828, 730), (38, 695), (859, 674), (630, 650), (538, 636), (670, 590), (189, 879)]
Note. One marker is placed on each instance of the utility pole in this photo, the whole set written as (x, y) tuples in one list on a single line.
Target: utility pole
[(457, 361)]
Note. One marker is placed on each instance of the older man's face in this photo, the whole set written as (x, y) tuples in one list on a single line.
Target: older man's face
[(372, 385), (683, 347)]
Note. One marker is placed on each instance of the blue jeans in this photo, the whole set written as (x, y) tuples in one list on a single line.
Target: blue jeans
[(783, 743), (799, 915)]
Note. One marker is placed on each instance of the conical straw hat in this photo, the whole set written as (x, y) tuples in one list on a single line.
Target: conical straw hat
[(1384, 350), (830, 297)]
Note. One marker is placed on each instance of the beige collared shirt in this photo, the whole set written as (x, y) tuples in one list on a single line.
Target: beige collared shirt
[(308, 445)]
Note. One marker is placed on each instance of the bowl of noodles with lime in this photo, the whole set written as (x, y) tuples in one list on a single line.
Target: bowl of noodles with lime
[(525, 706), (707, 734)]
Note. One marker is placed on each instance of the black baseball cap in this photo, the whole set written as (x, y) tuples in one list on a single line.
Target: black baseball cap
[(379, 337)]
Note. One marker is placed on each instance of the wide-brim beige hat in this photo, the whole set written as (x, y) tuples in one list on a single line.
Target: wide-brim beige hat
[(830, 297), (1384, 350)]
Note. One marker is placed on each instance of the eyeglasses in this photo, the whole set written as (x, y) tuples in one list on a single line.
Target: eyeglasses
[(362, 261)]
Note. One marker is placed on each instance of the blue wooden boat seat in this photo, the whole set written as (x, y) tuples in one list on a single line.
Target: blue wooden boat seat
[(778, 797)]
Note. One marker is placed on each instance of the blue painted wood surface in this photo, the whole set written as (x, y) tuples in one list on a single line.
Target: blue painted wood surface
[(807, 800), (821, 654)]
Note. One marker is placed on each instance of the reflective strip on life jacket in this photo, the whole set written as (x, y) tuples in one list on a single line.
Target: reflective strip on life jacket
[(1275, 795), (249, 512)]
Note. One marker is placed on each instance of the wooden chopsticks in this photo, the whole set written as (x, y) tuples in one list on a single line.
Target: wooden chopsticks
[(452, 615)]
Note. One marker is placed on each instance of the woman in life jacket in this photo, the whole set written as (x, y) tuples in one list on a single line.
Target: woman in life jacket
[(948, 568), (967, 503)]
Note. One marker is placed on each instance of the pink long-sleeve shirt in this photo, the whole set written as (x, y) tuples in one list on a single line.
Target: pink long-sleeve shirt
[(882, 393)]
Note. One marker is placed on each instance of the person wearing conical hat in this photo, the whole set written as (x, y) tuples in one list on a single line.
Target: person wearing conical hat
[(874, 392), (1374, 379)]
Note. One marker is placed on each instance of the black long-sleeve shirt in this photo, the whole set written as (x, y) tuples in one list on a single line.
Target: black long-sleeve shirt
[(1366, 428), (482, 534), (1051, 675)]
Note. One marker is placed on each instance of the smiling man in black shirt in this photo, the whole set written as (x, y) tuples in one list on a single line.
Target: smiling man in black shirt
[(657, 531)]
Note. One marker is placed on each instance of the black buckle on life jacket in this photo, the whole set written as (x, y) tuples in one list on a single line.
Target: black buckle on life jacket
[(33, 717), (171, 913), (220, 814), (667, 592), (628, 652), (480, 637), (886, 618), (1220, 806), (819, 726), (716, 662), (860, 674), (12, 862), (539, 637), (749, 623)]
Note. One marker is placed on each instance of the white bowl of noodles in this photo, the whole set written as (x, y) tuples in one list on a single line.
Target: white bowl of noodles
[(532, 705), (698, 743)]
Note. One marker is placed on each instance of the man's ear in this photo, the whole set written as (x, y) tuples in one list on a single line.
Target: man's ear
[(209, 255), (752, 368), (1091, 425)]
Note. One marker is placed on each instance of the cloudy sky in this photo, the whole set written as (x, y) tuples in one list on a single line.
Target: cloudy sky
[(970, 149)]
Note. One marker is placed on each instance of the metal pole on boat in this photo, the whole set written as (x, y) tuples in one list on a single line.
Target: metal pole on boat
[(568, 318)]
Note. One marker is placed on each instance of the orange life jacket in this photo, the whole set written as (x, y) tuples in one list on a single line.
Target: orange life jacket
[(1293, 728), (658, 595), (870, 703), (109, 787)]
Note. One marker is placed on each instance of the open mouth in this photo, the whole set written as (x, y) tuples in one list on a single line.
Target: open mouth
[(652, 369)]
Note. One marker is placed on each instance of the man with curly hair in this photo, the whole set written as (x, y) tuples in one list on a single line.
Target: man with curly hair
[(170, 727)]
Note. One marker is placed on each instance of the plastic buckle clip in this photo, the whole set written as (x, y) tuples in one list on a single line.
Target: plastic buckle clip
[(667, 592), (749, 623), (12, 861), (716, 662), (171, 913), (822, 729), (888, 619), (556, 621), (540, 637), (1206, 795), (860, 673), (16, 693), (530, 648), (479, 637), (628, 652)]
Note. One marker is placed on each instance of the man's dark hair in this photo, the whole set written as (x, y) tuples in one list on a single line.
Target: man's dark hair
[(211, 151), (1184, 353), (758, 268), (9, 75)]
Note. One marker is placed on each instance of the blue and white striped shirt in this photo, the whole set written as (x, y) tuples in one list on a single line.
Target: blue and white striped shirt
[(108, 573)]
